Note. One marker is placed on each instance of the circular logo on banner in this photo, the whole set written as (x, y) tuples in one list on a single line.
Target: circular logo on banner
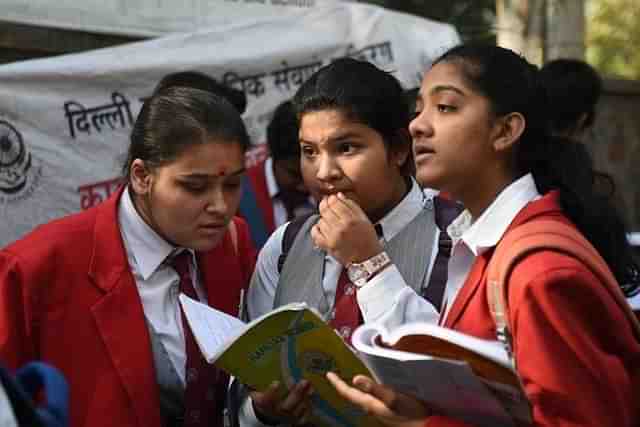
[(18, 176)]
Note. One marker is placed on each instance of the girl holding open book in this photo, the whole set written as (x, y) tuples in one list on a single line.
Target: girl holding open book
[(481, 133), (95, 294), (356, 159)]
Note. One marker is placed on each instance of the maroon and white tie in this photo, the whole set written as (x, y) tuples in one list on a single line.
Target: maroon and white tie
[(347, 314), (203, 400)]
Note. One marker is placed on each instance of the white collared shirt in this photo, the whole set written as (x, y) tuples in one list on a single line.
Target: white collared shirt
[(279, 211), (260, 299), (157, 282), (469, 239)]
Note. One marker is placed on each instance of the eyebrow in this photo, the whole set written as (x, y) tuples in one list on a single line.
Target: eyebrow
[(443, 88), (337, 138)]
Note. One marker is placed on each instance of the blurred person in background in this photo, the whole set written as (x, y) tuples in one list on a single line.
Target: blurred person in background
[(274, 192)]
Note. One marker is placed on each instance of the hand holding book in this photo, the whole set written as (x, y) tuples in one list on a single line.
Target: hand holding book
[(390, 407), (295, 407), (290, 345), (452, 373)]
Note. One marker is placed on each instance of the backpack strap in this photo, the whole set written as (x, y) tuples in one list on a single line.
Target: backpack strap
[(290, 234), (536, 236)]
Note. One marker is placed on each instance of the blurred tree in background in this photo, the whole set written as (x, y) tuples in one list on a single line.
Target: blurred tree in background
[(611, 31), (613, 37), (474, 19)]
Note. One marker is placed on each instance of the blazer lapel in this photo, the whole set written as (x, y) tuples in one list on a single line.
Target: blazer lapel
[(547, 205), (468, 290), (120, 318)]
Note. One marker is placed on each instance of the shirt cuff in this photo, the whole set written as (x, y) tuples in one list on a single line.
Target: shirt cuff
[(247, 416), (379, 294)]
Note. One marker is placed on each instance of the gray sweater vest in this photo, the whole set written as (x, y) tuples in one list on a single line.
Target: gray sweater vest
[(302, 273)]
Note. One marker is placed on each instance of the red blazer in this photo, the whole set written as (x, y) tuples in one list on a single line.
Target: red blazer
[(67, 297), (258, 181), (574, 349)]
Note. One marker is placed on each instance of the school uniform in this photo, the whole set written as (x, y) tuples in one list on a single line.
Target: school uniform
[(260, 204), (311, 275), (92, 294), (574, 349), (266, 278)]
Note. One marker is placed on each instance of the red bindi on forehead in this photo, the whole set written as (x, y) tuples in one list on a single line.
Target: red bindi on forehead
[(221, 172)]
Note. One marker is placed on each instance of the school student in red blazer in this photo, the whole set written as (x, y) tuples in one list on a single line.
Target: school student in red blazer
[(257, 178), (274, 191), (480, 134), (95, 294)]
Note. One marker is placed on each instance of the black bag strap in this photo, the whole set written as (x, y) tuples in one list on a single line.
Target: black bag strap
[(290, 234)]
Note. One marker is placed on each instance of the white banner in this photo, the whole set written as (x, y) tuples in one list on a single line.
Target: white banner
[(65, 121), (148, 17)]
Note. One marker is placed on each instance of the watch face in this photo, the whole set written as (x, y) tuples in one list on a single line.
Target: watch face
[(359, 274), (356, 274)]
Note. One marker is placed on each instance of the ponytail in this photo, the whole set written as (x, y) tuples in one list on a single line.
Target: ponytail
[(586, 197)]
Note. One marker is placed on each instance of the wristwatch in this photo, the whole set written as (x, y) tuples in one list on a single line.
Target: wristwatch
[(360, 273)]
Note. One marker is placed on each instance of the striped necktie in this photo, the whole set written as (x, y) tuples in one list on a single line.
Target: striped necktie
[(446, 211), (203, 405)]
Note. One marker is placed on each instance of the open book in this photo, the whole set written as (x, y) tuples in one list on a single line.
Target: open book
[(456, 374), (285, 345)]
